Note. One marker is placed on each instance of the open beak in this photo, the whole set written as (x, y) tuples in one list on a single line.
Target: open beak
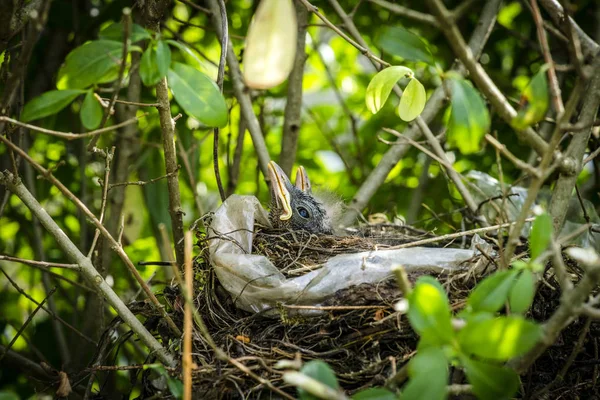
[(279, 190), (302, 181)]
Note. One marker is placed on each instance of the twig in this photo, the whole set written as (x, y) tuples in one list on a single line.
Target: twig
[(434, 105), (511, 157), (186, 355), (105, 186), (243, 96), (43, 264), (86, 267), (113, 243), (48, 311), (455, 235), (406, 12), (313, 386), (132, 103), (27, 321), (292, 114), (332, 308), (70, 135), (142, 183), (117, 85), (220, 76), (541, 33), (59, 277), (592, 155)]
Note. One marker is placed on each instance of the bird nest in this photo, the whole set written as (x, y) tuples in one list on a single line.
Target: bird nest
[(359, 334)]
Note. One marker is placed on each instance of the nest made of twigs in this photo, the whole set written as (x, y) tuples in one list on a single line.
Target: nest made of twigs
[(361, 336)]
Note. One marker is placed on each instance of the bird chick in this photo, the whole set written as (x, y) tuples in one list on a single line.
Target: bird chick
[(294, 206)]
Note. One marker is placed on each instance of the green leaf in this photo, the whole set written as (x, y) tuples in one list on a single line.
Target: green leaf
[(522, 293), (91, 111), (93, 63), (541, 233), (469, 117), (500, 338), (48, 103), (429, 312), (198, 95), (115, 32), (428, 372), (490, 381), (412, 101), (374, 394), (320, 371), (534, 101), (491, 293), (382, 84), (197, 62), (6, 395), (149, 72), (163, 58), (403, 43)]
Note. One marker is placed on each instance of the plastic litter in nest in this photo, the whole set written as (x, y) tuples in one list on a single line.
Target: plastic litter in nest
[(263, 269)]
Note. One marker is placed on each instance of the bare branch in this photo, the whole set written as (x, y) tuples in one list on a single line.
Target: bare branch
[(86, 268)]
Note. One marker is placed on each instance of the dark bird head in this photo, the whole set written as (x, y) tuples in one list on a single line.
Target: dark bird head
[(294, 207)]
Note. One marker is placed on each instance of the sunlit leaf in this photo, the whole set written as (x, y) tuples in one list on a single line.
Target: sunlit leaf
[(491, 293), (154, 64), (91, 111), (429, 312), (48, 103), (500, 338), (522, 293), (115, 32), (534, 101), (469, 117), (541, 234), (163, 58), (374, 394), (403, 43), (90, 64), (198, 95), (270, 44), (412, 101), (428, 372), (320, 371), (191, 56), (381, 85), (490, 381)]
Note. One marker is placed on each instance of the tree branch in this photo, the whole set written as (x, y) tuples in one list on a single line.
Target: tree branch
[(293, 108), (434, 105), (85, 267)]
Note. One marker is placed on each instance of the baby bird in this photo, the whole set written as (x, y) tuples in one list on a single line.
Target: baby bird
[(295, 207)]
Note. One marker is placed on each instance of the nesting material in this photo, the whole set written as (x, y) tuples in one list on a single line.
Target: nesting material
[(262, 269)]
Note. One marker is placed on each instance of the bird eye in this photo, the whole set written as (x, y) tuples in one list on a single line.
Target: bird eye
[(303, 212)]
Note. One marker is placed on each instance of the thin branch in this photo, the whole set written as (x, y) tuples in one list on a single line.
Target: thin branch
[(113, 243), (142, 183), (70, 135), (243, 96), (118, 83), (479, 76), (220, 76), (541, 33), (186, 356), (511, 157), (43, 264), (107, 160), (132, 103), (292, 115), (434, 105), (27, 321), (86, 268), (406, 12)]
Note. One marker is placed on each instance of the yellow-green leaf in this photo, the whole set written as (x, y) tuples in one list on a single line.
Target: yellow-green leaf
[(92, 63), (534, 101), (412, 101), (469, 117), (382, 84)]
